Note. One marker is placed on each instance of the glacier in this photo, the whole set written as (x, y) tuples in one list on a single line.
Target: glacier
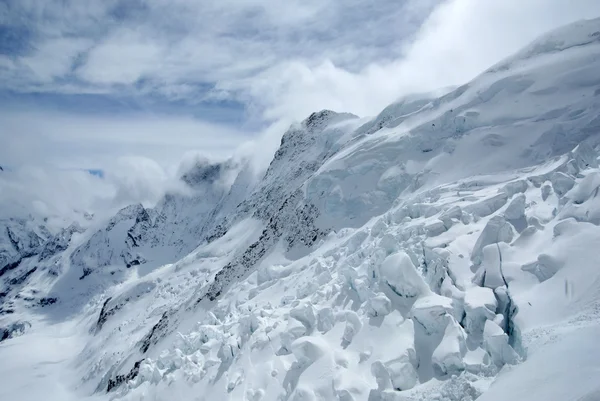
[(442, 250)]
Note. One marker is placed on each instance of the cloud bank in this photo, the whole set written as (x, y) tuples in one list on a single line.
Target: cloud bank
[(90, 84)]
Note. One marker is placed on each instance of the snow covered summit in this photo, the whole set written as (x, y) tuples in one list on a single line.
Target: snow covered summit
[(443, 250)]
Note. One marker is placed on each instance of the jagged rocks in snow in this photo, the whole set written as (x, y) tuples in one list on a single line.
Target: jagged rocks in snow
[(353, 326), (399, 272), (588, 211), (489, 273), (394, 368), (516, 208), (496, 343), (325, 320), (546, 190), (447, 358), (480, 305), (584, 156), (398, 374), (402, 374), (435, 228), (506, 309), (496, 230), (229, 349), (434, 267), (248, 325), (451, 214), (389, 243), (544, 268), (304, 314), (307, 289), (308, 349), (354, 243), (418, 210), (515, 187), (585, 189), (561, 183), (476, 360), (432, 312), (379, 227), (487, 206), (379, 305), (381, 375), (294, 330), (148, 372)]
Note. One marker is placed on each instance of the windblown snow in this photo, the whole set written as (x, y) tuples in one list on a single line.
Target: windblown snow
[(444, 250)]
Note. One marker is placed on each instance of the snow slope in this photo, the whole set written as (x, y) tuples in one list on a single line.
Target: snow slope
[(443, 250)]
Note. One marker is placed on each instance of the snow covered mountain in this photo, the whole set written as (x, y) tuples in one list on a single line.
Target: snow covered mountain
[(443, 250)]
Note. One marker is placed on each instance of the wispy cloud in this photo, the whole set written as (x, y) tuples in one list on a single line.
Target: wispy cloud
[(161, 46), (84, 141), (83, 84)]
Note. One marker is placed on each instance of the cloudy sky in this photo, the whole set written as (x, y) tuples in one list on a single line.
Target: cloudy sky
[(131, 86)]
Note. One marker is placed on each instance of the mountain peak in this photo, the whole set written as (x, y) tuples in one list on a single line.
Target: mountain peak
[(324, 117), (575, 35), (202, 172)]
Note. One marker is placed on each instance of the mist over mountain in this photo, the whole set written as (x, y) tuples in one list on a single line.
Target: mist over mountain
[(443, 249)]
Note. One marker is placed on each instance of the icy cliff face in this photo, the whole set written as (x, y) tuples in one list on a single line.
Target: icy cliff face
[(19, 238), (148, 238), (409, 257)]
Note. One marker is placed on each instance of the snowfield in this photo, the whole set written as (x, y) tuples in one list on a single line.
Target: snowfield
[(445, 250)]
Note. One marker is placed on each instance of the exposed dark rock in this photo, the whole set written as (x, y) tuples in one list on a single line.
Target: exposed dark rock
[(26, 242), (120, 379), (59, 242), (203, 172), (107, 311), (218, 232), (21, 279), (48, 301), (155, 333), (129, 212), (9, 266), (86, 272), (13, 330)]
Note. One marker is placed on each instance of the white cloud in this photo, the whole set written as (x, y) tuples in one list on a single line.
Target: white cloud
[(45, 156), (281, 60), (183, 41), (137, 179), (66, 195), (464, 37), (355, 55), (122, 58), (44, 191), (459, 40), (82, 141), (54, 58)]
